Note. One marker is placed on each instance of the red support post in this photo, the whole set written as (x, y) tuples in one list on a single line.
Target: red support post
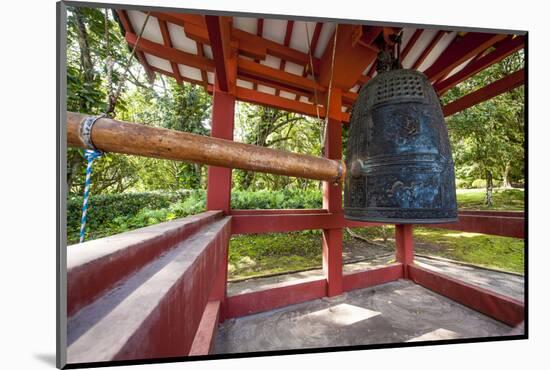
[(404, 244), (218, 193), (332, 200), (219, 179)]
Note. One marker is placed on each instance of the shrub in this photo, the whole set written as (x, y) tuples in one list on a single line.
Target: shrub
[(115, 213), (479, 184), (463, 184)]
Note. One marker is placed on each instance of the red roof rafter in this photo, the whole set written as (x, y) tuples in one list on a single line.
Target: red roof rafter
[(200, 52), (313, 47), (504, 49), (274, 84), (123, 16), (459, 51), (428, 49), (176, 55), (218, 33), (411, 43), (186, 79), (259, 32), (444, 76), (485, 93), (247, 43), (286, 42), (368, 37), (238, 54), (274, 101), (168, 43), (276, 75)]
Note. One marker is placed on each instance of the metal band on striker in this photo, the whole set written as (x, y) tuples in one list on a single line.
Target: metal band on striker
[(86, 131)]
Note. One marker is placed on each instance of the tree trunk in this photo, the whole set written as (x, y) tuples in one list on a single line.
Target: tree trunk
[(489, 189), (506, 176), (85, 56), (73, 167)]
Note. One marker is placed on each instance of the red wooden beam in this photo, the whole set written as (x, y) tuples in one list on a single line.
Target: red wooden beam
[(276, 223), (218, 34), (350, 60), (246, 39), (218, 192), (370, 34), (123, 16), (168, 43), (504, 49), (488, 223), (206, 332), (500, 307), (271, 212), (278, 102), (313, 46), (259, 32), (461, 50), (411, 43), (183, 78), (332, 199), (444, 76), (171, 54), (95, 266), (204, 75), (519, 214), (248, 43), (485, 93), (281, 295), (373, 276), (428, 49), (286, 42), (255, 79), (256, 69), (404, 246), (167, 300)]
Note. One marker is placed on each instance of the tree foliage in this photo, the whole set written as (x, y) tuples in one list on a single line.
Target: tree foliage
[(488, 138), (96, 62)]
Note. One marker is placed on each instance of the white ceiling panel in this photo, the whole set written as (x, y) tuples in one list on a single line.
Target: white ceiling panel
[(180, 40), (152, 29)]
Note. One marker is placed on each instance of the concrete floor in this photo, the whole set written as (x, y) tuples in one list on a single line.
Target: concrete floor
[(395, 312)]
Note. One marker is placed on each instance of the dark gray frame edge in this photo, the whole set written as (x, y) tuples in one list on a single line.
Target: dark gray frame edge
[(61, 186)]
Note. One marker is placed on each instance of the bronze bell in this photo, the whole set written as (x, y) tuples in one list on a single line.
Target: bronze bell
[(400, 167)]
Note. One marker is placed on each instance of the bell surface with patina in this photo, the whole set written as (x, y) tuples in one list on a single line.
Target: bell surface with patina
[(400, 167)]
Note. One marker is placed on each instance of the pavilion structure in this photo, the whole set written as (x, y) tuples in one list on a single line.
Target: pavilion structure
[(171, 277)]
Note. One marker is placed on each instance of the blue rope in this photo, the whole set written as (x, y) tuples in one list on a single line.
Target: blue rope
[(90, 156)]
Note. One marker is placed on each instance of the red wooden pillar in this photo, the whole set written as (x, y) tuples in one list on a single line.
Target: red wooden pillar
[(218, 193), (332, 200), (404, 245)]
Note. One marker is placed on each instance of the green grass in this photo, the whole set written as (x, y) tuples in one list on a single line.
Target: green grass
[(486, 250), (503, 199), (263, 254)]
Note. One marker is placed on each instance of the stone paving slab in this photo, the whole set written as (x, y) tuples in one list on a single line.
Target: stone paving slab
[(395, 312)]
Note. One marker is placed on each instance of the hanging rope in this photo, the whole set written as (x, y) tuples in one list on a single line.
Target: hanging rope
[(330, 87), (90, 155)]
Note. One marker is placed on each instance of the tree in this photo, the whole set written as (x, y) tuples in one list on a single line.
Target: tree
[(488, 138), (274, 128), (97, 57)]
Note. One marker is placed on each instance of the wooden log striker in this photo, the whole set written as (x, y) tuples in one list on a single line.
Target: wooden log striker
[(110, 135)]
